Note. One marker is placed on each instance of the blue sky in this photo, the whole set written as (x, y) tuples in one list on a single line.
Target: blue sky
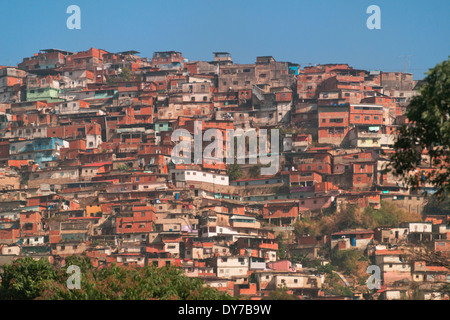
[(319, 31)]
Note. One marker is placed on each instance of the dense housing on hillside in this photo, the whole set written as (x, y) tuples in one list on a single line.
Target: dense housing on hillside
[(86, 167)]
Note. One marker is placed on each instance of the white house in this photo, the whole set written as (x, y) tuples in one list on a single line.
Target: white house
[(182, 177)]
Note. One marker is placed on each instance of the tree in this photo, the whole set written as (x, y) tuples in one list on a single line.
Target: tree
[(25, 278), (30, 279), (234, 171), (427, 134), (439, 206), (134, 283), (254, 171), (282, 252), (305, 226), (123, 167), (125, 75), (388, 215), (350, 261)]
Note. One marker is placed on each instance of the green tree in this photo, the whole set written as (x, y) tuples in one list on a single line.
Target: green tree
[(282, 252), (131, 283), (125, 75), (437, 205), (254, 171), (305, 226), (25, 278), (333, 286), (234, 171), (388, 215), (84, 263), (350, 261), (29, 279), (123, 167), (428, 131)]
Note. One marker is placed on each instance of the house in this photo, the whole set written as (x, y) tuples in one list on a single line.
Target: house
[(258, 248), (182, 177), (45, 60), (301, 284), (395, 267), (281, 265), (391, 235), (333, 124), (199, 248), (40, 150), (136, 222), (352, 239), (419, 232), (231, 267)]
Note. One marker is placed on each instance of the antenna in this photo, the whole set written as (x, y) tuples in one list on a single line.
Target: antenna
[(405, 56)]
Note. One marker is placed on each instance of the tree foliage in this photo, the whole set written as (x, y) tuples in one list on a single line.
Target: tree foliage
[(427, 133), (388, 215), (352, 217), (282, 252), (125, 75), (234, 171), (254, 171), (25, 279), (350, 261), (438, 206), (30, 279)]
